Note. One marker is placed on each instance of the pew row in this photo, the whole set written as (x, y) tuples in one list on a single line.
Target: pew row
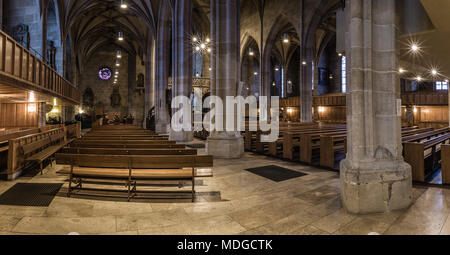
[(133, 168)]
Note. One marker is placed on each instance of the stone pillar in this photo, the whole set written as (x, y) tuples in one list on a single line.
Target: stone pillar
[(410, 115), (149, 81), (225, 26), (306, 74), (374, 176), (41, 114), (132, 85), (182, 59), (162, 70)]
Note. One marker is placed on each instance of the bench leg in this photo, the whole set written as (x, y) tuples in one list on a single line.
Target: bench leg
[(193, 189)]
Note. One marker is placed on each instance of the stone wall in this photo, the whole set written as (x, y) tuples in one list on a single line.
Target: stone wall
[(103, 89), (25, 12)]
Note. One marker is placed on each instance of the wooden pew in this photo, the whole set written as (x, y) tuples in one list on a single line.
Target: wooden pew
[(129, 146), (423, 163), (130, 151), (329, 145), (132, 168), (124, 143), (445, 163), (121, 138), (31, 148)]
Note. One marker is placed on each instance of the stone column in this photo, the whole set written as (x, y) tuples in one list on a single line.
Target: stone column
[(132, 85), (149, 81), (182, 59), (41, 114), (225, 26), (162, 70), (306, 74), (374, 176)]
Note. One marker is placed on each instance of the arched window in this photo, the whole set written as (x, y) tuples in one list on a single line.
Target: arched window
[(441, 85), (344, 74)]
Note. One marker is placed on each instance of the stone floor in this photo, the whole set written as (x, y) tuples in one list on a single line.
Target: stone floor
[(234, 201)]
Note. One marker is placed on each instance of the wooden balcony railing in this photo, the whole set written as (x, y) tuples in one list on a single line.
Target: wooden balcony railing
[(425, 98), (197, 82), (21, 69)]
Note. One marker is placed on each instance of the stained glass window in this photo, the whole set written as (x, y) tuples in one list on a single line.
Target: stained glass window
[(105, 73)]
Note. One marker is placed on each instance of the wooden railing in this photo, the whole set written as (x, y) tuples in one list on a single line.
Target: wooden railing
[(197, 82), (425, 98), (21, 69)]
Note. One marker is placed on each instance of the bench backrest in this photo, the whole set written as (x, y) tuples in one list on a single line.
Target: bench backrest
[(124, 142), (35, 146), (136, 146), (122, 151), (135, 161)]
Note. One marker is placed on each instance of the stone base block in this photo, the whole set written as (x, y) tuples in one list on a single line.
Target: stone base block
[(162, 128), (376, 187), (181, 137), (225, 148)]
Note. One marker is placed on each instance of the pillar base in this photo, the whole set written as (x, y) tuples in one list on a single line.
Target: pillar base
[(376, 186), (162, 128), (181, 137), (225, 147)]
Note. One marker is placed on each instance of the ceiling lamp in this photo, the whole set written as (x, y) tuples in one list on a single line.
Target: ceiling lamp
[(277, 69), (274, 84), (117, 63), (194, 39), (285, 38), (208, 40), (123, 5), (304, 63), (119, 54), (120, 36), (401, 70), (434, 72), (250, 52), (419, 78), (255, 73), (414, 47)]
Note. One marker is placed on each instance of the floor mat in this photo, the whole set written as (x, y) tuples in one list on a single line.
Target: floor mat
[(276, 173), (30, 194)]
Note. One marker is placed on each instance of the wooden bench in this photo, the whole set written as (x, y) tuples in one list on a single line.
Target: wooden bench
[(331, 144), (43, 149), (129, 151), (132, 168), (120, 138), (126, 146), (445, 163), (424, 157)]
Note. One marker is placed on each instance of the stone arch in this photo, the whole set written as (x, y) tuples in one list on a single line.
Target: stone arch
[(54, 42), (249, 65), (283, 25)]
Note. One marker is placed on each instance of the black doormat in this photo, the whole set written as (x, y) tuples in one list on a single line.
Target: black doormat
[(196, 145), (30, 194), (276, 173)]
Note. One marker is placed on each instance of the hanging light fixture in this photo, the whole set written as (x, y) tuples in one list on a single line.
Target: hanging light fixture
[(119, 54), (250, 52), (120, 37), (117, 63), (123, 5), (286, 38)]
